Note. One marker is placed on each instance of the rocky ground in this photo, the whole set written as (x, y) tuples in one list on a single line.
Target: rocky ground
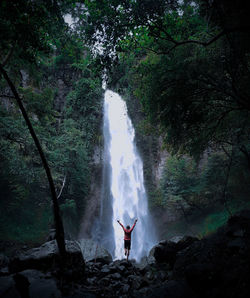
[(217, 266)]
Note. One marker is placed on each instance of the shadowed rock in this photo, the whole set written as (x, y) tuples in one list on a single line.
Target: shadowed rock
[(92, 251), (46, 257)]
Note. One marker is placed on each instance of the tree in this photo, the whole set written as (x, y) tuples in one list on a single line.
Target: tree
[(27, 28), (190, 68), (67, 132)]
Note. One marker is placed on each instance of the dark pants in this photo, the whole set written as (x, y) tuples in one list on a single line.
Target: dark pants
[(127, 244)]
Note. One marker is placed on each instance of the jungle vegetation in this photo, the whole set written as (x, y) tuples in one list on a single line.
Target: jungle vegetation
[(183, 67)]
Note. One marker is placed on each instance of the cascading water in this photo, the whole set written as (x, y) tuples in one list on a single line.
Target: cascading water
[(123, 195)]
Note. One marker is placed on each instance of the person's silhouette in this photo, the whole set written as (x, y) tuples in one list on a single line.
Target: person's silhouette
[(127, 237)]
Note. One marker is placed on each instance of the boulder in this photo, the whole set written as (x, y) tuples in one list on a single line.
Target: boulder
[(29, 283), (201, 277), (4, 261), (46, 257), (92, 251), (4, 271), (51, 235), (146, 261), (40, 284), (185, 241), (135, 281), (105, 271), (7, 287), (198, 252), (125, 288), (166, 251), (172, 289), (116, 276), (176, 238)]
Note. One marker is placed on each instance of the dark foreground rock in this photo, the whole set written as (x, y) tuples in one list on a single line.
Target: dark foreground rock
[(46, 257), (92, 251), (214, 267), (166, 251)]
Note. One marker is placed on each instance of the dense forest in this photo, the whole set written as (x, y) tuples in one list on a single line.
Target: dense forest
[(60, 87), (183, 68)]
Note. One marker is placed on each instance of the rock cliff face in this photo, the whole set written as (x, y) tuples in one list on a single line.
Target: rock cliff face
[(93, 200)]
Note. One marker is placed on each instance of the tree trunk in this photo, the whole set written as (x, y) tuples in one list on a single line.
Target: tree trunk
[(57, 217)]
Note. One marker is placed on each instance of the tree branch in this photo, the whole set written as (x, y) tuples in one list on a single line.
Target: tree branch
[(64, 180), (202, 43), (6, 96)]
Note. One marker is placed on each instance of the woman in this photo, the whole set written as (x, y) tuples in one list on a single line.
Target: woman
[(127, 237)]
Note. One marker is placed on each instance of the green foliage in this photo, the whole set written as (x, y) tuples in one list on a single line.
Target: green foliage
[(190, 76), (28, 30), (191, 84), (186, 77), (45, 51), (68, 148), (191, 186), (180, 176)]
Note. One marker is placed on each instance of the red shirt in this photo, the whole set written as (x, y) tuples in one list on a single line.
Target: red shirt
[(127, 232)]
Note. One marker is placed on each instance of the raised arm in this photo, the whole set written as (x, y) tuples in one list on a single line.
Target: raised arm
[(133, 225), (120, 224)]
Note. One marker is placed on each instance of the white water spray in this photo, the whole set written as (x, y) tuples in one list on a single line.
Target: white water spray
[(126, 183)]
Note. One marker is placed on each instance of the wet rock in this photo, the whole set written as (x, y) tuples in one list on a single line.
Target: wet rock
[(91, 280), (172, 289), (4, 261), (176, 239), (41, 285), (22, 284), (121, 268), (165, 251), (92, 251), (116, 276), (146, 261), (52, 235), (105, 271), (125, 263), (144, 292), (198, 252), (45, 256), (113, 268), (135, 281), (8, 288), (125, 289), (161, 275), (149, 275), (105, 281), (29, 283), (116, 284), (4, 271), (185, 242), (144, 282)]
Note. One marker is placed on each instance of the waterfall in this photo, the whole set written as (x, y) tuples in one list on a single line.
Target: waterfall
[(123, 195)]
